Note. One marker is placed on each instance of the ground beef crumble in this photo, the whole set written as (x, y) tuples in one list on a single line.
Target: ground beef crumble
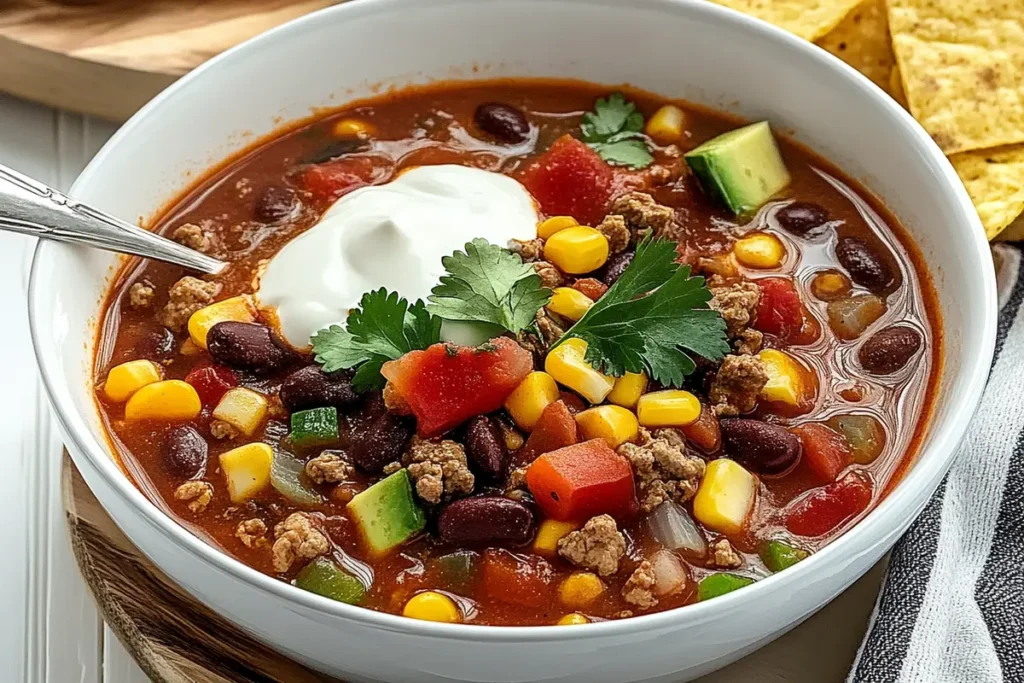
[(197, 493), (187, 296), (219, 429), (737, 384), (251, 533), (297, 538), (439, 469), (598, 546), (550, 330), (639, 588), (141, 295), (724, 556), (737, 303), (528, 250), (193, 237), (613, 227), (663, 468), (550, 276), (642, 214), (329, 467)]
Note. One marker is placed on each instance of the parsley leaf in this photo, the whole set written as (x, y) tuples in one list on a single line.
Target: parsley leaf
[(383, 327), (488, 284), (652, 318), (614, 131)]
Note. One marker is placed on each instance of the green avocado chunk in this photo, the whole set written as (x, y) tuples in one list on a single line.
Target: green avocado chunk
[(387, 513), (719, 584), (323, 577)]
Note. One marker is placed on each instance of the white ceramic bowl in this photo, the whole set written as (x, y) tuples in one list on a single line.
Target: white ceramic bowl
[(692, 50)]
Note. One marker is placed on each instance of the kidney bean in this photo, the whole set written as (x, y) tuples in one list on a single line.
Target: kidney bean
[(185, 452), (889, 350), (247, 346), (759, 446), (802, 218), (864, 265), (505, 123), (276, 205), (156, 344), (379, 437), (311, 387), (616, 266), (485, 519), (485, 447)]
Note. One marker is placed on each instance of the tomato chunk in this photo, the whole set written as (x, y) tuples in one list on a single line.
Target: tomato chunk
[(825, 509), (445, 385), (555, 429), (517, 579), (335, 178), (705, 433), (570, 179), (211, 382), (580, 481), (779, 312), (826, 453)]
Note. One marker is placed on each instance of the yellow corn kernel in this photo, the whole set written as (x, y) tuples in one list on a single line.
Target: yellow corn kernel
[(567, 365), (125, 379), (236, 309), (189, 348), (549, 533), (668, 408), (614, 424), (725, 497), (554, 224), (247, 470), (432, 606), (171, 399), (628, 389), (243, 409), (574, 619), (666, 126), (577, 250), (580, 589), (785, 378), (569, 303), (526, 403), (353, 128), (760, 250)]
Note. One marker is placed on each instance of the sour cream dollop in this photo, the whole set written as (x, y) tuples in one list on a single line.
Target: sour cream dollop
[(391, 236)]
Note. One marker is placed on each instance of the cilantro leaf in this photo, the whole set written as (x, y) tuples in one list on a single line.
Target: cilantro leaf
[(632, 153), (486, 283), (614, 131)]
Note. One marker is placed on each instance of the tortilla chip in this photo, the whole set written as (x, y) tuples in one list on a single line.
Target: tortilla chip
[(962, 63), (862, 41), (1014, 232), (995, 181), (896, 86), (809, 19)]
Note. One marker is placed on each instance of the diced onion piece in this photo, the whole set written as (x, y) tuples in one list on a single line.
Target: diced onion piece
[(286, 476), (672, 526), (669, 573)]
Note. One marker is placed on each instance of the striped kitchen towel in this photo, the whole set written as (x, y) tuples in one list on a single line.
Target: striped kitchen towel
[(951, 609)]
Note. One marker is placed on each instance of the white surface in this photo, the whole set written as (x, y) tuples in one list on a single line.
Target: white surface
[(829, 106), (50, 631)]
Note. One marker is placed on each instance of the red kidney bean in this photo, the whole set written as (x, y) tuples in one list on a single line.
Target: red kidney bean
[(616, 266), (889, 350), (485, 519), (866, 267), (802, 218), (759, 446), (311, 387), (276, 205), (502, 121), (485, 447), (185, 452), (247, 346), (379, 437), (156, 344)]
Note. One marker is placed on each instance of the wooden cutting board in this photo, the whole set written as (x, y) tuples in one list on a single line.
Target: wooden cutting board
[(175, 639), (108, 57)]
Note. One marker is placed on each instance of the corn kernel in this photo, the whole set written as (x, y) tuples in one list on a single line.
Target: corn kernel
[(830, 285), (725, 497), (125, 379), (171, 399), (549, 533), (666, 126), (569, 303), (247, 470), (526, 403), (189, 348), (353, 128), (785, 378), (580, 589), (236, 309), (628, 389), (432, 606), (577, 250), (243, 409), (668, 408), (573, 619), (567, 365), (555, 224), (760, 250), (614, 424)]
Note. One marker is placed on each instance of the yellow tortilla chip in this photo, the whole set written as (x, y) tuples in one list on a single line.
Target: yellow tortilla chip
[(809, 19), (995, 181), (896, 86), (862, 41), (962, 63)]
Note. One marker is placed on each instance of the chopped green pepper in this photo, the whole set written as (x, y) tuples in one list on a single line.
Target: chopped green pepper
[(719, 584), (323, 577), (777, 555), (314, 427), (457, 569)]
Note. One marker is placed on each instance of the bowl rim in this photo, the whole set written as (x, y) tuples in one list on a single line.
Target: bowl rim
[(932, 462)]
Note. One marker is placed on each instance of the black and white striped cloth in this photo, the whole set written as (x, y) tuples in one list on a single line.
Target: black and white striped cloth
[(951, 609)]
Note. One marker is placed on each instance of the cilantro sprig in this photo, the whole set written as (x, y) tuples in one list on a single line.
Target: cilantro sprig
[(615, 131), (652, 319)]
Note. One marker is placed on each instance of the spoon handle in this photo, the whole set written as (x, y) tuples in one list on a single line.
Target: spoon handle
[(30, 207)]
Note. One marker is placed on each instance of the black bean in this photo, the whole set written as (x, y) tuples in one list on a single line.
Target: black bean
[(889, 350), (802, 218), (185, 452), (379, 438), (505, 123), (310, 387), (247, 346), (338, 148), (156, 344), (761, 447), (276, 205), (866, 267), (485, 447), (615, 267), (485, 519)]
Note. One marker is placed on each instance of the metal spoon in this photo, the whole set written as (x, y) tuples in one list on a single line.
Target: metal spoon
[(30, 207)]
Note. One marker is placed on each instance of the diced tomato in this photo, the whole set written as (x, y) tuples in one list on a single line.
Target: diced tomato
[(555, 429), (339, 177), (591, 288), (579, 481), (705, 433), (445, 385), (572, 401), (517, 579), (826, 508), (826, 453), (211, 382), (570, 179), (780, 311)]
